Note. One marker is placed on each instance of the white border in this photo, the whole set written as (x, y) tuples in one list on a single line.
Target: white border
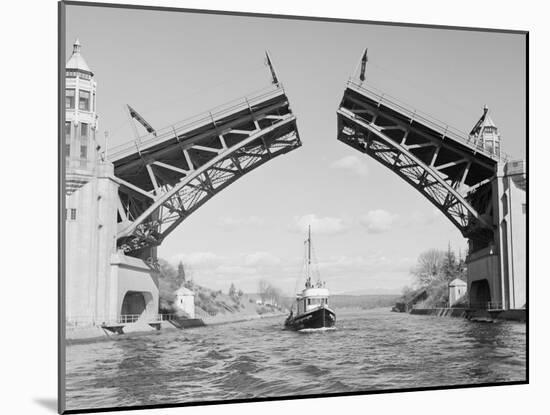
[(29, 196)]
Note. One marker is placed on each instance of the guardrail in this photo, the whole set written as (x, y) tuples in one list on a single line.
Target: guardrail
[(439, 305), (85, 321), (444, 129), (490, 305), (132, 318), (191, 123), (202, 313)]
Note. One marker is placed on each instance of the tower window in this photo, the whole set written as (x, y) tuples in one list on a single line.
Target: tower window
[(84, 100), (69, 98), (70, 214), (83, 151), (67, 139), (67, 131), (84, 132)]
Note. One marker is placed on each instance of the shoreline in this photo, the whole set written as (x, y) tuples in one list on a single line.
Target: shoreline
[(98, 334), (484, 316)]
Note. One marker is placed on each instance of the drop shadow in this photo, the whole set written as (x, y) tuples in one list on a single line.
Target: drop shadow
[(48, 403)]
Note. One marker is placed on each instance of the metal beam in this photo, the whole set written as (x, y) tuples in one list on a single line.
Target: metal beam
[(434, 173), (197, 172)]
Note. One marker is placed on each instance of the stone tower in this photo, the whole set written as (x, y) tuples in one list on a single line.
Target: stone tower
[(101, 284)]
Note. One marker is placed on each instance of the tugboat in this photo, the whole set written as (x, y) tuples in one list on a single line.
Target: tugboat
[(312, 310)]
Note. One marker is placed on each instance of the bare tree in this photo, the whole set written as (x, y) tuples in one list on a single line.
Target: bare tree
[(263, 287), (269, 293), (429, 267)]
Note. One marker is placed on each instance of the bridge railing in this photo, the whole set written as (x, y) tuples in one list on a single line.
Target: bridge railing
[(202, 313), (441, 127), (489, 305), (73, 322), (193, 122)]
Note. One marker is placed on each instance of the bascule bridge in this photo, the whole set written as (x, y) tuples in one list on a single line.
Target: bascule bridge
[(466, 176), (121, 204)]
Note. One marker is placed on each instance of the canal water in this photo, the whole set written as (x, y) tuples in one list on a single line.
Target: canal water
[(369, 350)]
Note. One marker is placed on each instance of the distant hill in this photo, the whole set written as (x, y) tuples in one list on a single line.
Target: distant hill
[(363, 301), (356, 301)]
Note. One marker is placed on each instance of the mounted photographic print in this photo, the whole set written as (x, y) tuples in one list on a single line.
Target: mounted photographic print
[(260, 207)]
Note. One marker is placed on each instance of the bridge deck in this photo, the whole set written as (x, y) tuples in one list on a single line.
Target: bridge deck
[(166, 175), (442, 163), (190, 127), (421, 120)]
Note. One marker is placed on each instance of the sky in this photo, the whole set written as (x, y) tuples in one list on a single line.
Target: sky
[(368, 225)]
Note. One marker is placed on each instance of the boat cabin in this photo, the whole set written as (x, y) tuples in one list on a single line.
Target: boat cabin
[(311, 299)]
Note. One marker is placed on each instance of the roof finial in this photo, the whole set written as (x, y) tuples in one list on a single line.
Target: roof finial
[(76, 46), (274, 78), (485, 109), (364, 60)]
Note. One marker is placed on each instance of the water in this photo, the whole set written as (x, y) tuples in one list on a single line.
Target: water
[(369, 350)]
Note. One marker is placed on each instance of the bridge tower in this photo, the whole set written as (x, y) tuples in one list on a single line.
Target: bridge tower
[(466, 176), (101, 284), (497, 268)]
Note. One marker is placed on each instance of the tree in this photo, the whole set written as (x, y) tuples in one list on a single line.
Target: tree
[(263, 287), (429, 267), (269, 293), (232, 290), (450, 265), (180, 278)]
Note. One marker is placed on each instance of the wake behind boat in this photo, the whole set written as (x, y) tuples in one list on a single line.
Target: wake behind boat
[(312, 310)]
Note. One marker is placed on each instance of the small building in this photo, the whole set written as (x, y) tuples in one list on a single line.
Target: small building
[(457, 290), (185, 301)]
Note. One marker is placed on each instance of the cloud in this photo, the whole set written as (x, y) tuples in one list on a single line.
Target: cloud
[(353, 164), (326, 225), (377, 221), (229, 223), (341, 272), (261, 259), (245, 270)]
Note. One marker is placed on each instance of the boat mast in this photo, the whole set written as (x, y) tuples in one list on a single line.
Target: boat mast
[(309, 248), (308, 269)]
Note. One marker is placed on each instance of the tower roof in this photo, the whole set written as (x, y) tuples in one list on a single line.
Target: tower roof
[(76, 61), (184, 291), (488, 122), (484, 121), (457, 282)]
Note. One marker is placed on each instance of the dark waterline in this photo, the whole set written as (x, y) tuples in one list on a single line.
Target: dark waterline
[(369, 350)]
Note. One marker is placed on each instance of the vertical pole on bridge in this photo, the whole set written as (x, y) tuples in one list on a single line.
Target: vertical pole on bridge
[(364, 61)]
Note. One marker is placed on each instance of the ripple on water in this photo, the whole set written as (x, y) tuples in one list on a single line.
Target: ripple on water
[(370, 350)]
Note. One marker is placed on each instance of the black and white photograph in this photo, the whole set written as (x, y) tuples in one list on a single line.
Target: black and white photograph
[(260, 207)]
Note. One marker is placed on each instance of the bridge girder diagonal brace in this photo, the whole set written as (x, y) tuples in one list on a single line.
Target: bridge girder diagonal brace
[(440, 173), (161, 189)]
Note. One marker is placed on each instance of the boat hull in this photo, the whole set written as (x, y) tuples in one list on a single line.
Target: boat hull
[(315, 319)]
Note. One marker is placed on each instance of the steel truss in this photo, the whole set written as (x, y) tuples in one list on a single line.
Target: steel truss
[(174, 173), (442, 167)]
